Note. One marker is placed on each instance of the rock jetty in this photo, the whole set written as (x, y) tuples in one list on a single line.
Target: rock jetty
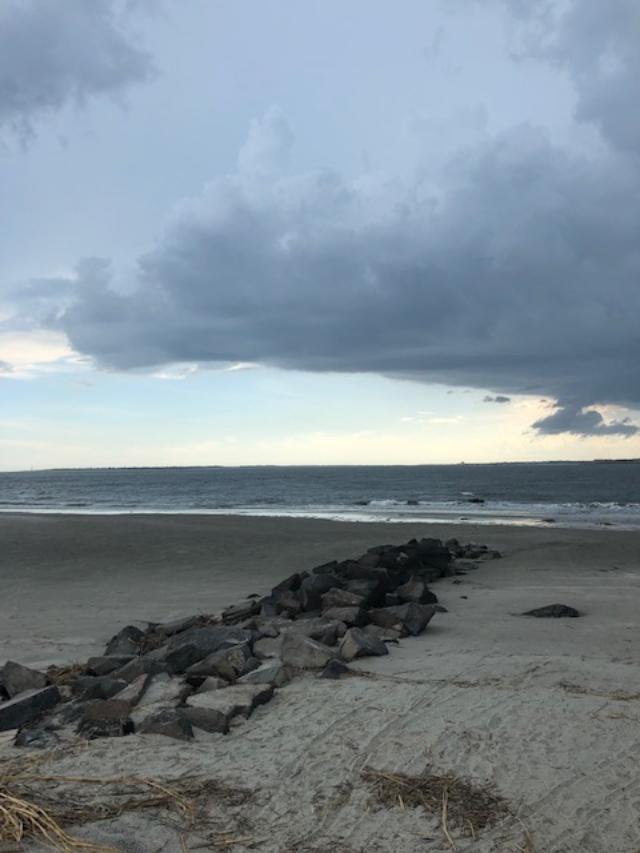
[(209, 672)]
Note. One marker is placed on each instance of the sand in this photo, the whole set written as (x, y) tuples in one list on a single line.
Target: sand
[(545, 710)]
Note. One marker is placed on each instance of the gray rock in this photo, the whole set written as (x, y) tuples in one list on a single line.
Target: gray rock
[(325, 631), (387, 635), (268, 647), (326, 568), (415, 589), (108, 718), (303, 652), (409, 618), (553, 611), (125, 642), (165, 690), (212, 683), (227, 663), (335, 669), (314, 587), (235, 700), (290, 584), (133, 692), (239, 612), (100, 687), (17, 678), (107, 664), (371, 590), (27, 706), (168, 722), (177, 626), (287, 603), (358, 644), (341, 598), (208, 719), (212, 638), (272, 671), (349, 615), (144, 665), (37, 737)]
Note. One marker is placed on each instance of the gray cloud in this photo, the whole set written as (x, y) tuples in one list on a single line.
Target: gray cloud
[(53, 54), (499, 398), (516, 273)]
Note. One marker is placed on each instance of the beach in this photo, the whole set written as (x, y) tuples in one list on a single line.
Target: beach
[(545, 710)]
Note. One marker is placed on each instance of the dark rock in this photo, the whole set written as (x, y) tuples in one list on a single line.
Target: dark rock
[(326, 568), (163, 690), (109, 718), (369, 560), (27, 706), (372, 590), (268, 647), (272, 671), (303, 652), (227, 663), (289, 604), (415, 589), (139, 666), (349, 615), (356, 571), (168, 722), (475, 500), (107, 664), (180, 658), (433, 553), (335, 669), (387, 635), (439, 608), (320, 628), (391, 599), (213, 711), (212, 638), (38, 737), (314, 587), (341, 598), (290, 584), (358, 644), (408, 618), (133, 692), (553, 611), (169, 629), (125, 642), (17, 678), (240, 612), (212, 682), (100, 687)]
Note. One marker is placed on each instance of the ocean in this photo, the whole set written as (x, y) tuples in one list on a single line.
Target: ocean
[(575, 494)]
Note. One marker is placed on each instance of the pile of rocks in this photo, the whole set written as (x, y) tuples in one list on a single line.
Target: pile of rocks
[(209, 673)]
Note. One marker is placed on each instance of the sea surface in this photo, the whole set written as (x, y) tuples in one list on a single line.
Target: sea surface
[(575, 494)]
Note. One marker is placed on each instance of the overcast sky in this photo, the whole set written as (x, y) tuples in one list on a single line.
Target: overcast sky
[(238, 232)]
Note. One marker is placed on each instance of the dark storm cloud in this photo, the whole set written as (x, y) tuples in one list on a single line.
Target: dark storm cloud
[(499, 398), (519, 273), (54, 53)]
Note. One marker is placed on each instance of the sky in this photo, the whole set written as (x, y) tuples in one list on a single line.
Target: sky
[(241, 232)]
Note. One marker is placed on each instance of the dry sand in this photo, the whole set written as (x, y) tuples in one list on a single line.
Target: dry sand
[(548, 711)]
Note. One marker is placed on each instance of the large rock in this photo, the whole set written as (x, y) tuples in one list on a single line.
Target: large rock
[(290, 584), (415, 589), (553, 611), (177, 626), (409, 618), (319, 628), (372, 590), (99, 687), (341, 598), (163, 690), (133, 692), (208, 710), (139, 666), (348, 615), (212, 682), (303, 652), (168, 722), (272, 671), (125, 642), (268, 647), (227, 663), (387, 635), (335, 669), (212, 638), (107, 664), (240, 612), (17, 678), (109, 718), (27, 706), (314, 587), (358, 644)]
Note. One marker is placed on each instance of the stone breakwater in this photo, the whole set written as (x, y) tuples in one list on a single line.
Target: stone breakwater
[(209, 672)]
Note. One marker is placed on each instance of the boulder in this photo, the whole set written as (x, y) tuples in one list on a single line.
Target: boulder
[(415, 589), (133, 692), (303, 652), (290, 584), (240, 612), (356, 571), (372, 590), (106, 664), (553, 611), (212, 638), (227, 663), (335, 669), (358, 644), (314, 587), (341, 598), (139, 666), (387, 635), (105, 718), (408, 618), (212, 682), (17, 678), (268, 647), (125, 642), (164, 690), (288, 604), (326, 568), (27, 706), (177, 626), (349, 615), (99, 687), (272, 671), (168, 722), (237, 700), (324, 630)]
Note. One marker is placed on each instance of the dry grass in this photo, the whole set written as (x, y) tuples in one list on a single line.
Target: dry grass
[(37, 807), (616, 695), (61, 675), (458, 803)]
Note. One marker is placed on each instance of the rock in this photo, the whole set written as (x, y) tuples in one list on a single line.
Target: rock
[(288, 604), (356, 571), (27, 706), (408, 618), (303, 652), (133, 692), (125, 642), (272, 671), (391, 600), (107, 664), (439, 608), (387, 635), (314, 587), (169, 629), (38, 737), (268, 647), (109, 718), (341, 598), (139, 666), (17, 678), (239, 612), (212, 682), (371, 560), (227, 663), (180, 658), (99, 687), (348, 615), (208, 719), (335, 669), (168, 722), (326, 568), (358, 644), (163, 690), (433, 553), (212, 638), (415, 589), (325, 631), (290, 584), (227, 704), (554, 611), (372, 590)]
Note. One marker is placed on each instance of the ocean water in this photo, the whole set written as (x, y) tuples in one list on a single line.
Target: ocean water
[(576, 494)]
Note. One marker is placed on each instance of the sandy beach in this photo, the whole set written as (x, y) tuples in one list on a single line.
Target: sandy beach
[(547, 711)]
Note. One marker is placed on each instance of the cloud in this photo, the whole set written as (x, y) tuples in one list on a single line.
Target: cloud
[(580, 421), (53, 54), (499, 398), (516, 272)]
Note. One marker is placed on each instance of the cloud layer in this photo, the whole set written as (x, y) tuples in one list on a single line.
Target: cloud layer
[(516, 271), (53, 54)]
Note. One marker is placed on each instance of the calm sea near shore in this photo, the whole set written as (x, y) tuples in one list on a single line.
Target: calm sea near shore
[(575, 494)]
